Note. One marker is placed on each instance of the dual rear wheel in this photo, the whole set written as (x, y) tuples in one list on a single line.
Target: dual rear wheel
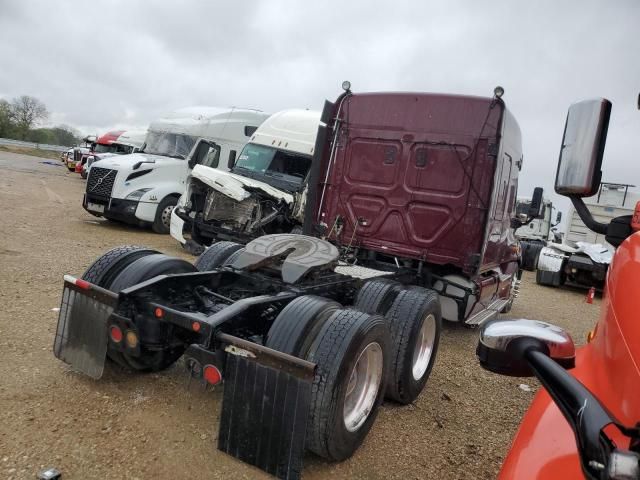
[(123, 267), (386, 345)]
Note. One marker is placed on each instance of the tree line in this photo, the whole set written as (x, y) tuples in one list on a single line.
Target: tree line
[(20, 119)]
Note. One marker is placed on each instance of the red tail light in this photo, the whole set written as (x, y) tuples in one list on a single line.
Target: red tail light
[(115, 333), (211, 374)]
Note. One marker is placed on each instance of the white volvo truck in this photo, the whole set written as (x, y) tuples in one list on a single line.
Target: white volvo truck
[(143, 188), (264, 192)]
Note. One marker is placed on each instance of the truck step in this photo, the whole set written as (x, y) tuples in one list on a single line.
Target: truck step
[(487, 314)]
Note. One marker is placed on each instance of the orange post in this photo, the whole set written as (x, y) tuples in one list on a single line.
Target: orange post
[(590, 294)]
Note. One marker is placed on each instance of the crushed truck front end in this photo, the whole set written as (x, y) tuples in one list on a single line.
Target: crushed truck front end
[(265, 191)]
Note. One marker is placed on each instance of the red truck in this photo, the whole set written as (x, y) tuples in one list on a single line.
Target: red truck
[(101, 144), (585, 422), (414, 190)]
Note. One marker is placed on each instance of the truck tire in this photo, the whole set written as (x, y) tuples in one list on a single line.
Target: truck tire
[(526, 257), (530, 253), (233, 256), (415, 323), (110, 264), (145, 268), (216, 255), (297, 325), (162, 222), (352, 354), (377, 295)]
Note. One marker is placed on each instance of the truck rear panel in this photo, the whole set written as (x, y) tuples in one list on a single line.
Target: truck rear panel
[(412, 175)]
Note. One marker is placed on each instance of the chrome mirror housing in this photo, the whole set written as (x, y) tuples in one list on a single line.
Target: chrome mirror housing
[(503, 345)]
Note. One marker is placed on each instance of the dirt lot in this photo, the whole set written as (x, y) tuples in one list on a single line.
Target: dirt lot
[(152, 426)]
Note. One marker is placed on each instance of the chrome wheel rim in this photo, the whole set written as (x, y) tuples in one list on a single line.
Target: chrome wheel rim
[(423, 349), (363, 386), (166, 216)]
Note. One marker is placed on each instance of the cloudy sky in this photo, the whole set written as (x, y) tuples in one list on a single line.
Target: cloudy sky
[(98, 65)]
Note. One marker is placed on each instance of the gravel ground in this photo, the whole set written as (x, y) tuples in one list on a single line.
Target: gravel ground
[(153, 426)]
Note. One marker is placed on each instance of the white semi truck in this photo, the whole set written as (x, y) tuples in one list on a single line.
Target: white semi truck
[(584, 258), (263, 193), (123, 143), (143, 188), (537, 233)]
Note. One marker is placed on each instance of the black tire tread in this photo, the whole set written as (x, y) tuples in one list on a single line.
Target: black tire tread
[(376, 295), (157, 226), (328, 354), (407, 306), (233, 256), (97, 271), (216, 255), (296, 321)]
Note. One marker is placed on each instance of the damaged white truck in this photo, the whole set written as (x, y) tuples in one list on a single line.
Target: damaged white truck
[(143, 188), (263, 193)]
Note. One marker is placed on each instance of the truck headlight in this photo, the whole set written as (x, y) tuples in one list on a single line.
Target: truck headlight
[(137, 194)]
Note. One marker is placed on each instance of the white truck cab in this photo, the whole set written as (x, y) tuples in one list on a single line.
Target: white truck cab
[(143, 188), (264, 191), (127, 141)]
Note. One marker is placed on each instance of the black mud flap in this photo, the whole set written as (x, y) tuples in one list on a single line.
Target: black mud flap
[(264, 415), (81, 335)]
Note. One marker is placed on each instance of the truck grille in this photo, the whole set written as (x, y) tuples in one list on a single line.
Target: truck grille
[(100, 181)]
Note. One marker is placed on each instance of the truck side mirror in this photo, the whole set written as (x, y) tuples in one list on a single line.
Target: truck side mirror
[(536, 207), (232, 159), (558, 218), (503, 343), (585, 134)]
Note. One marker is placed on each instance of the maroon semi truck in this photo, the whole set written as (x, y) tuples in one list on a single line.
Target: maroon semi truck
[(415, 191), (424, 182)]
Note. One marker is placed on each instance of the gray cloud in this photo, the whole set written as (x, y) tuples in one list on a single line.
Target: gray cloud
[(121, 63)]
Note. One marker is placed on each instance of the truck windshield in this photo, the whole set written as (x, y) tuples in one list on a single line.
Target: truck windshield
[(288, 166), (100, 148), (112, 148), (174, 145)]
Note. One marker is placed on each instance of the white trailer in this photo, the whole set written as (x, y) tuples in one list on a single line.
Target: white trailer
[(613, 200), (143, 188)]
